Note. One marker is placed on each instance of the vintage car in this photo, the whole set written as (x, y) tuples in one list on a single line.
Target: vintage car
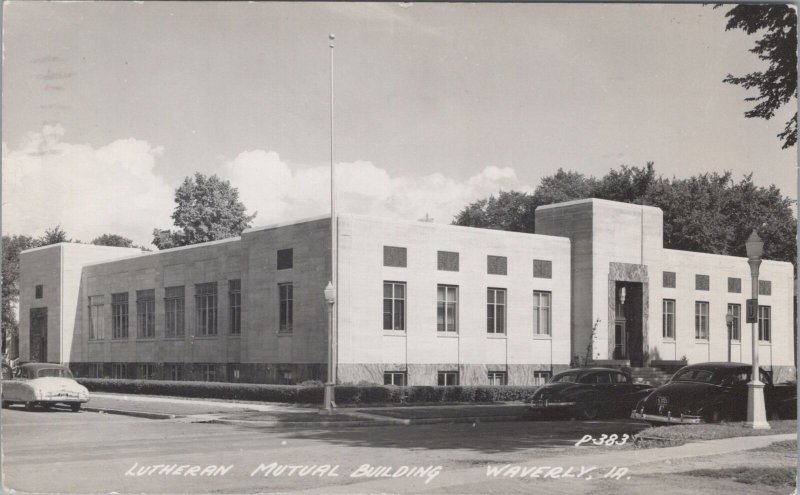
[(713, 392), (589, 393), (43, 384)]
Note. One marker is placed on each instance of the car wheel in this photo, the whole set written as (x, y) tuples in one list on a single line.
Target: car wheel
[(29, 406), (590, 412), (75, 407)]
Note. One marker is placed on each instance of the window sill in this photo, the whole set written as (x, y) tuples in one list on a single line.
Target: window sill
[(234, 335), (500, 336), (120, 339), (668, 340), (701, 341), (145, 339), (177, 338), (542, 337), (394, 333), (764, 342), (204, 337), (447, 335), (96, 341), (284, 334), (736, 341)]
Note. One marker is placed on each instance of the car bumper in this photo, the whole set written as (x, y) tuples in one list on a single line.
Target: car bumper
[(682, 419), (545, 405)]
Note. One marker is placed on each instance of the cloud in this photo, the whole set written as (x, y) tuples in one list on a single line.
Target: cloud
[(280, 191), (88, 191)]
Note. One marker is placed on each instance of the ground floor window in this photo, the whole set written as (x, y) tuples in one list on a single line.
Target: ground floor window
[(146, 372), (233, 372), (735, 326), (701, 320), (394, 378), (764, 323), (95, 370), (446, 308), (541, 313), (668, 319), (207, 372), (447, 378), (119, 370), (541, 377), (498, 378), (175, 372)]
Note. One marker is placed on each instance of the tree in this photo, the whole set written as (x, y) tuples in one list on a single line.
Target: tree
[(12, 246), (112, 240), (207, 209), (708, 212), (777, 85), (54, 236)]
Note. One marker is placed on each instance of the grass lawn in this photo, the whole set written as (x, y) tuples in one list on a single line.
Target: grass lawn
[(770, 476), (784, 446), (669, 436)]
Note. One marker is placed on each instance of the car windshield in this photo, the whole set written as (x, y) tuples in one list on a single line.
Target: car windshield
[(57, 372), (697, 375), (564, 378)]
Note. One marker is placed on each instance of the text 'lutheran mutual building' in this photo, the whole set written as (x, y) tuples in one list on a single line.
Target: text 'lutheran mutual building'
[(418, 303)]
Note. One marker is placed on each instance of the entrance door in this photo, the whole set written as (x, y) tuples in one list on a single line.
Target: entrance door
[(38, 335), (620, 340)]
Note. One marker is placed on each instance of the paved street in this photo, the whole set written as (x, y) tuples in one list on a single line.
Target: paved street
[(92, 452)]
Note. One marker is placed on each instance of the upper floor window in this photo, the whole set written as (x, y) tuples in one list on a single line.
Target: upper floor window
[(734, 285), (146, 313), (668, 280), (285, 307), (668, 319), (39, 291), (496, 265), (96, 321), (174, 304), (394, 256), (235, 306), (285, 259), (701, 282), (735, 329), (496, 310), (119, 315), (447, 261), (394, 306), (542, 269), (764, 323), (205, 296), (541, 313), (447, 308), (701, 320)]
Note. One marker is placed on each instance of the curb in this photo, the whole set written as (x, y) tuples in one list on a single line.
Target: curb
[(136, 414), (309, 424)]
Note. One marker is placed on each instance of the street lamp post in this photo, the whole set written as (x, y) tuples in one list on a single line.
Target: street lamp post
[(756, 411), (330, 399), (729, 322)]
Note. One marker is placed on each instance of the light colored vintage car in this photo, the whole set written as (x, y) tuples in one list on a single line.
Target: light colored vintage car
[(43, 384)]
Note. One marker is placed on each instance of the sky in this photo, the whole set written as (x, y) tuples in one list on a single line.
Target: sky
[(107, 106)]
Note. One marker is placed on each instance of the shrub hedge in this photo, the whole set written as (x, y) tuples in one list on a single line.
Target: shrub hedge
[(298, 394)]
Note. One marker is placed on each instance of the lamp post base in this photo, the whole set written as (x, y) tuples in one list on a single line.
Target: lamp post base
[(329, 401), (756, 412)]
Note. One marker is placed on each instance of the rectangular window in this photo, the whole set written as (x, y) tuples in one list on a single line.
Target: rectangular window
[(542, 269), (285, 259), (701, 320), (498, 378), (146, 371), (735, 328), (174, 304), (286, 307), (764, 324), (734, 285), (39, 291), (394, 306), (447, 308), (146, 314), (496, 310), (119, 370), (764, 288), (541, 313), (668, 319), (96, 370), (205, 300), (394, 378), (235, 305), (394, 256), (447, 378), (668, 280), (119, 315), (496, 265), (541, 377), (175, 372), (234, 373), (96, 326), (701, 282), (447, 261), (207, 372)]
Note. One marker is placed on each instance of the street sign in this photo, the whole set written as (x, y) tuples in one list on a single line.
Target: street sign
[(752, 311)]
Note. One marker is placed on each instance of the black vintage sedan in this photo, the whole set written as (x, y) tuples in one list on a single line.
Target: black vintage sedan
[(713, 392), (589, 393)]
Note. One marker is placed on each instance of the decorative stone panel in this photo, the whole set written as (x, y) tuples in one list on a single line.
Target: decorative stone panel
[(447, 261), (394, 256), (496, 265), (701, 282), (734, 285), (764, 288), (542, 269), (669, 280)]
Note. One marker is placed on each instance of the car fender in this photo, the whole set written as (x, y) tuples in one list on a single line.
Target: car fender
[(14, 390)]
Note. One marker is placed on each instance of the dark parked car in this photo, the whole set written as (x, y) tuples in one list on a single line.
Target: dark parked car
[(713, 392), (589, 393)]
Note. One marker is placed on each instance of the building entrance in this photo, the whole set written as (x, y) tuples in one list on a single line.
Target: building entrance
[(628, 338), (38, 336)]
